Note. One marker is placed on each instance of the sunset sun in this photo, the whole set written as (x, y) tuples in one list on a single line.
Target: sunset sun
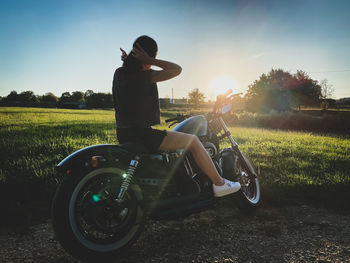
[(221, 84)]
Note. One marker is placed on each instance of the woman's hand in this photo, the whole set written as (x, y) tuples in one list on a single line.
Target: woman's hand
[(139, 53), (124, 55)]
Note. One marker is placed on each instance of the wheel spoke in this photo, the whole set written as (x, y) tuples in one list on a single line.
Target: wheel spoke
[(249, 186), (101, 218)]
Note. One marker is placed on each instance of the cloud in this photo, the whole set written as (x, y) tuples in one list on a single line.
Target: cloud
[(256, 56)]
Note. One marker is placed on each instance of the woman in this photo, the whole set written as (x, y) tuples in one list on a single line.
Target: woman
[(136, 103)]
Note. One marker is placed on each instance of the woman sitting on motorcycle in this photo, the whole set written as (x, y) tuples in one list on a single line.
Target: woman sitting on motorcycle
[(136, 103)]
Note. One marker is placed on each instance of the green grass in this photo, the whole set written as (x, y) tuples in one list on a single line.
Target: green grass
[(296, 158), (320, 109), (295, 166)]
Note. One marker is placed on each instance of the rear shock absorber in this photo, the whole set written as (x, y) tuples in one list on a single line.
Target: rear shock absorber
[(127, 178)]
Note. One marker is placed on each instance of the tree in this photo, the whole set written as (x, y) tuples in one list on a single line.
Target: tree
[(49, 99), (305, 90), (196, 97), (108, 101), (99, 100), (12, 97), (65, 97), (90, 98), (25, 98), (270, 91), (77, 96), (237, 103), (327, 89), (280, 90), (88, 93)]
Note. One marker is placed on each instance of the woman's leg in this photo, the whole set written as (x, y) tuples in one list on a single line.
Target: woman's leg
[(178, 140)]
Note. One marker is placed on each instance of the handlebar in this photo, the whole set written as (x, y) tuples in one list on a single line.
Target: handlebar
[(222, 99), (227, 93), (172, 119), (235, 95), (178, 118)]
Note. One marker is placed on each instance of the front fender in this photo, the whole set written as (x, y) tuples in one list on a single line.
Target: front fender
[(81, 159), (249, 164)]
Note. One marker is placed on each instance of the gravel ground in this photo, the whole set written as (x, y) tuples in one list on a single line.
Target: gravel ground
[(291, 234)]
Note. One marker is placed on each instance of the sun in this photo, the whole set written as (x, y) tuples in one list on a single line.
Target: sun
[(221, 84)]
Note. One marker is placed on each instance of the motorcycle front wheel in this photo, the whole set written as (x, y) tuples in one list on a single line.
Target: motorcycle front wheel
[(87, 219), (249, 196)]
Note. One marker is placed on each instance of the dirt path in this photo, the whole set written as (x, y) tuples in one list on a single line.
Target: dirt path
[(291, 234)]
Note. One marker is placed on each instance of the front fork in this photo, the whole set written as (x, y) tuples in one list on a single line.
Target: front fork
[(234, 144), (228, 133)]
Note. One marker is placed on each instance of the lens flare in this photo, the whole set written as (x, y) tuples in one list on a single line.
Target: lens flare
[(221, 84), (95, 198)]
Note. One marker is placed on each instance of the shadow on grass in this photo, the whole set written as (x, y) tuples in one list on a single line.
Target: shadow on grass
[(26, 203)]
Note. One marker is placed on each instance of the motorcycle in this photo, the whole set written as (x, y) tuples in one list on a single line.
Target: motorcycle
[(109, 191)]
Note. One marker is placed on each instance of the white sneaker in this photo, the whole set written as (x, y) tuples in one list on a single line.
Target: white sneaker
[(227, 188)]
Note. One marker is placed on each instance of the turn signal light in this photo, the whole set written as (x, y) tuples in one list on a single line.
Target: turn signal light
[(95, 160)]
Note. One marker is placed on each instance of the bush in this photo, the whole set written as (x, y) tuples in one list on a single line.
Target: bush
[(324, 122)]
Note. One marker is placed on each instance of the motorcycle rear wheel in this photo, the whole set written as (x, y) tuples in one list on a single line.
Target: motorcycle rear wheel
[(87, 220)]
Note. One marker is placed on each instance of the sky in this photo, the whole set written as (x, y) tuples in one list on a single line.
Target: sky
[(59, 46)]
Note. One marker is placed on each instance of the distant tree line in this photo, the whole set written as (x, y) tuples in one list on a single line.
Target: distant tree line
[(74, 100), (280, 90), (277, 90)]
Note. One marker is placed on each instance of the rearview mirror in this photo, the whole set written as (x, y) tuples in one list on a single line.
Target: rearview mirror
[(226, 108)]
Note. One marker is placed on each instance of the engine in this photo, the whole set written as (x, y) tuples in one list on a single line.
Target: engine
[(211, 149), (228, 163)]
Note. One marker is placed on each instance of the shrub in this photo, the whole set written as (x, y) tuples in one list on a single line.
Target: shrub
[(325, 122)]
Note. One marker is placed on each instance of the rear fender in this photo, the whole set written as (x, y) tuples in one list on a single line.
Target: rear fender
[(108, 155)]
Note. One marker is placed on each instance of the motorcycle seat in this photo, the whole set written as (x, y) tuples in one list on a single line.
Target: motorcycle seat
[(133, 147)]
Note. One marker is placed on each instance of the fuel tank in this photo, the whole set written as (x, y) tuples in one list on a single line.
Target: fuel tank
[(196, 125)]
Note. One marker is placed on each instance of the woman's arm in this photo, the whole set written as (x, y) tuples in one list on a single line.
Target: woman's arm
[(169, 69)]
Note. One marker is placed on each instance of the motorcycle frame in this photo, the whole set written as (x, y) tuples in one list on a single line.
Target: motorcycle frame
[(112, 155)]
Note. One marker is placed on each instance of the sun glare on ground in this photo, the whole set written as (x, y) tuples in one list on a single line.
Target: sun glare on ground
[(221, 84)]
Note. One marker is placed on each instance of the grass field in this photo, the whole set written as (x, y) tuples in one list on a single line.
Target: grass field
[(295, 167)]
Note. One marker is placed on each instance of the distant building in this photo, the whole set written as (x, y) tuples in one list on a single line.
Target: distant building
[(343, 103), (164, 102), (180, 101), (167, 103)]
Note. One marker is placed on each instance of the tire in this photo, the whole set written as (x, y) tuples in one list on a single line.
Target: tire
[(89, 223), (249, 196), (237, 167)]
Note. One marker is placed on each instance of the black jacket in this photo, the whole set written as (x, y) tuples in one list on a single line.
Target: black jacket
[(136, 99)]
